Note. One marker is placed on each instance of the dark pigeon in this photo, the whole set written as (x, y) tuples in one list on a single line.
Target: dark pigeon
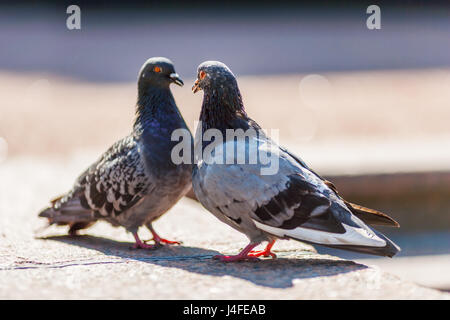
[(135, 181), (291, 203)]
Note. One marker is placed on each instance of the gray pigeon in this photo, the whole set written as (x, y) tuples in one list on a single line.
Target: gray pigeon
[(135, 181), (291, 202)]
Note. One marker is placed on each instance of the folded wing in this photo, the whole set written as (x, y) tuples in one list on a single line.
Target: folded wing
[(115, 183), (292, 203)]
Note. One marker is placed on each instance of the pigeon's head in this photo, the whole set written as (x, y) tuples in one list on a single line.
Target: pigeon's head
[(213, 75), (158, 72)]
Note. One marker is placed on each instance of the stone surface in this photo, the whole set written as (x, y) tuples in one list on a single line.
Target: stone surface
[(46, 264), (429, 270)]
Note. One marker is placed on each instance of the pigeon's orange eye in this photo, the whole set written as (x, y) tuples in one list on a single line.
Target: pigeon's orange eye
[(157, 69), (202, 75)]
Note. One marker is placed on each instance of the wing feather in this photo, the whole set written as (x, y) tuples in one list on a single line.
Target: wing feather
[(112, 185), (292, 201), (370, 216)]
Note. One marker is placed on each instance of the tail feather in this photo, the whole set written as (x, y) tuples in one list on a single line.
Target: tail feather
[(372, 217), (369, 216), (61, 216), (357, 235), (389, 250), (68, 211)]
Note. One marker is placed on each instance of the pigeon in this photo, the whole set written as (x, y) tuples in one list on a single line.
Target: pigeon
[(292, 202), (135, 181)]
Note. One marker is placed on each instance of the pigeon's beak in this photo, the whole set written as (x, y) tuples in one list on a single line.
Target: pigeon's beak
[(176, 79), (196, 86)]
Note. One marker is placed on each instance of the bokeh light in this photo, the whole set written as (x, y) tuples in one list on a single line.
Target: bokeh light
[(38, 93), (315, 91)]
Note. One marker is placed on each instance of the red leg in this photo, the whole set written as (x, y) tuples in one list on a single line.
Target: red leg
[(266, 252), (243, 255), (158, 240), (141, 245)]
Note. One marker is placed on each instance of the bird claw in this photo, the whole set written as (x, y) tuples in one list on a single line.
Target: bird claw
[(235, 258), (170, 241), (262, 253), (161, 241)]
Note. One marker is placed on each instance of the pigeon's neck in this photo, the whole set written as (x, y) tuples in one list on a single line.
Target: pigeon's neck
[(222, 109), (155, 108), (157, 116)]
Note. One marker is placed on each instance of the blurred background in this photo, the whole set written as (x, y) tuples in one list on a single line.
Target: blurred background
[(368, 109)]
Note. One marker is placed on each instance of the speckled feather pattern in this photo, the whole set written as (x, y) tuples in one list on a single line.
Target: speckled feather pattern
[(134, 182), (117, 181), (294, 202)]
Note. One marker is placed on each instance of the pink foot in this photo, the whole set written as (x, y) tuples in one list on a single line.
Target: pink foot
[(141, 245), (265, 253), (242, 256), (162, 240), (158, 240)]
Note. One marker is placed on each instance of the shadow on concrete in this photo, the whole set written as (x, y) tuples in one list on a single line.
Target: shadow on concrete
[(273, 273)]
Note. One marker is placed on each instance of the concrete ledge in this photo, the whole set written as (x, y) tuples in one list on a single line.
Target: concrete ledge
[(93, 267), (100, 264)]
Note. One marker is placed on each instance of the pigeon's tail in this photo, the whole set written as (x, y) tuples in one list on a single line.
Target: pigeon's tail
[(343, 231), (372, 241), (389, 250), (65, 211)]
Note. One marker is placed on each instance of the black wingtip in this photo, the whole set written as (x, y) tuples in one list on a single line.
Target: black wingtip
[(390, 250)]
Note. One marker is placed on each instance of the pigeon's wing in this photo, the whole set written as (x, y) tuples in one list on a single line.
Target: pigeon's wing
[(113, 184), (118, 181), (292, 203), (370, 216)]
